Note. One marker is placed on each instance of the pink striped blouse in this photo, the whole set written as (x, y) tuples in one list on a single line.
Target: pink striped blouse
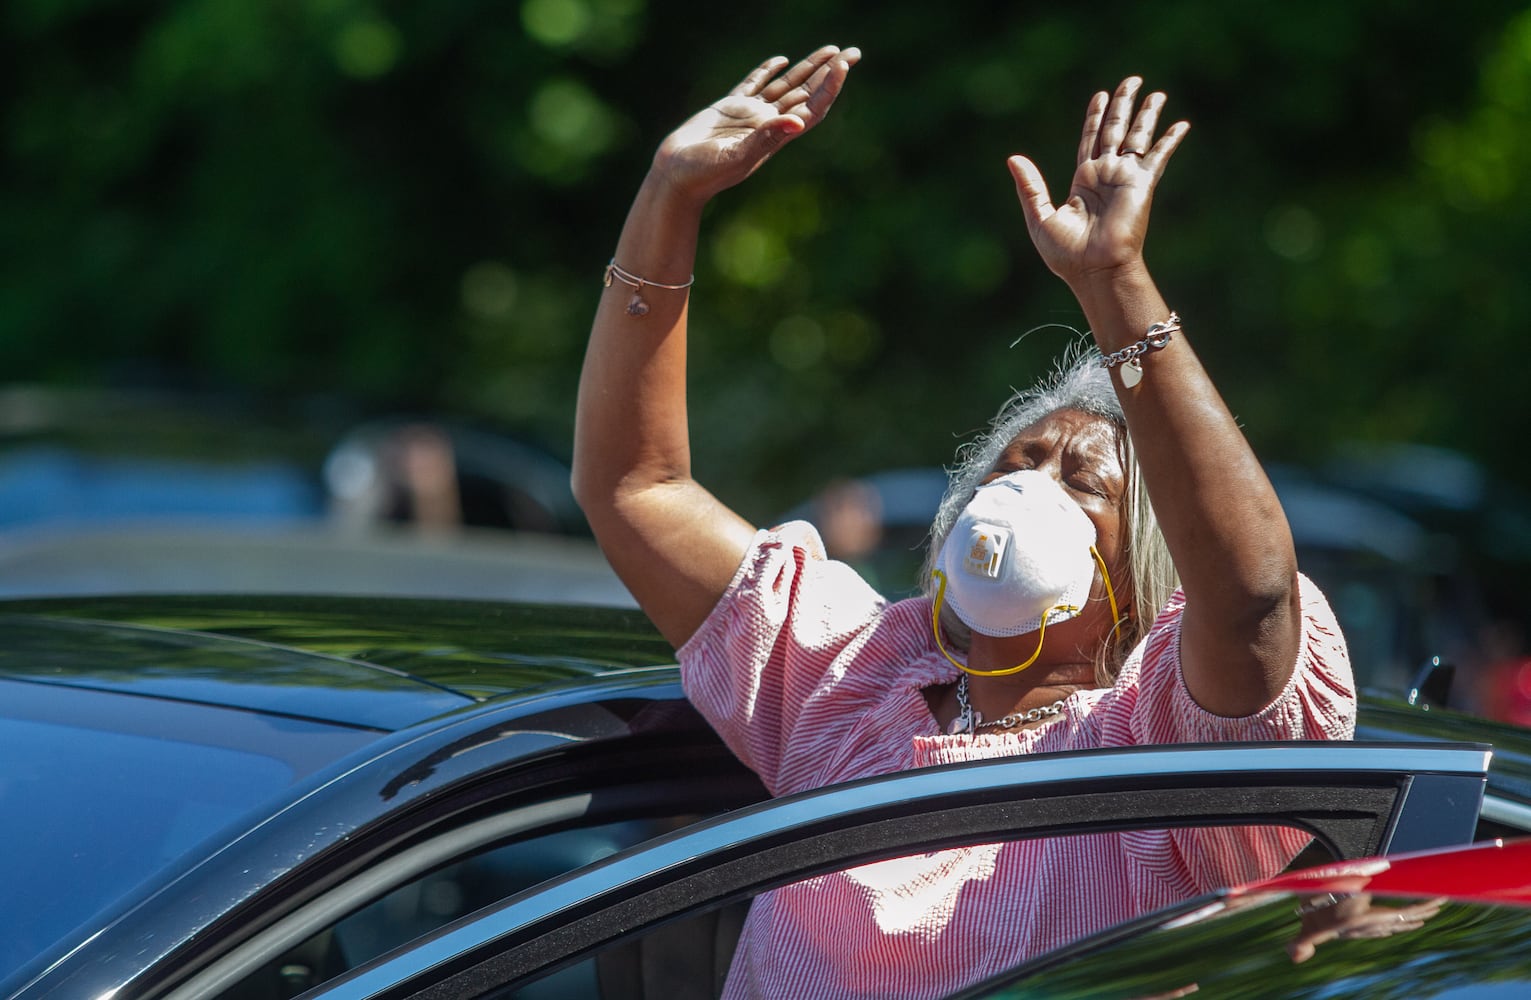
[(813, 678)]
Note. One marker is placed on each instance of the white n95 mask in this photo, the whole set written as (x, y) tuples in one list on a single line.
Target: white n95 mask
[(1020, 556)]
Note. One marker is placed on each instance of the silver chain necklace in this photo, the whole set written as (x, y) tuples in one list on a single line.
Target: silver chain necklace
[(969, 720)]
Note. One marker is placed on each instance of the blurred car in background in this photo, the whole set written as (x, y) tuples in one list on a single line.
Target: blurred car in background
[(1486, 528), (82, 458), (436, 474), (1402, 592), (311, 558), (104, 493), (1404, 586)]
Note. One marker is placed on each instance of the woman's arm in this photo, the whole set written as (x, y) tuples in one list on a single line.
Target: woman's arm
[(674, 545), (1220, 516)]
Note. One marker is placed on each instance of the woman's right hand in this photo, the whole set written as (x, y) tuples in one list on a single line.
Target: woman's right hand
[(726, 142)]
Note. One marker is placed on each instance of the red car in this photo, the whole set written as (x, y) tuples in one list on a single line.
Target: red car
[(1448, 923)]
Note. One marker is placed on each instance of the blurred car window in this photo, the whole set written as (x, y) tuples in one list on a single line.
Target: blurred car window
[(439, 475), (135, 492), (47, 485)]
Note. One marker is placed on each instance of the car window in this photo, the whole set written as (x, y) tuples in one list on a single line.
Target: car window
[(441, 896), (691, 957), (727, 858), (545, 805)]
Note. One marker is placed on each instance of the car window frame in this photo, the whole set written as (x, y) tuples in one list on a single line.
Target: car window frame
[(737, 855)]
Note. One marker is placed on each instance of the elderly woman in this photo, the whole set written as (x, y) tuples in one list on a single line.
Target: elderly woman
[(1054, 621)]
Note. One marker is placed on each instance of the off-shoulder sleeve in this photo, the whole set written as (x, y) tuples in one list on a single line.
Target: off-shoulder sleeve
[(1318, 702), (776, 646), (1151, 704)]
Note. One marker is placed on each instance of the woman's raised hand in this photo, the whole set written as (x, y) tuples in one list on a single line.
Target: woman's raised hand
[(1100, 229), (726, 142)]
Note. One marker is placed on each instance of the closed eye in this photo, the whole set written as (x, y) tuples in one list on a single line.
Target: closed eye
[(1086, 484), (1000, 473)]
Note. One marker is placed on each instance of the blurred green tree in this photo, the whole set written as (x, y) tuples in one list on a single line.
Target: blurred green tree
[(410, 204)]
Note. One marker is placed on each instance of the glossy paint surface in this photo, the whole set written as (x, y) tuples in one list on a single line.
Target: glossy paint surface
[(1250, 949), (1498, 872)]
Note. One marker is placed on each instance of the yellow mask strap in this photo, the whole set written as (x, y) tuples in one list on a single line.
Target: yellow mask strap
[(1105, 574), (935, 622)]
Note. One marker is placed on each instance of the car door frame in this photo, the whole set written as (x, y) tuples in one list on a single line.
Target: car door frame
[(1358, 798)]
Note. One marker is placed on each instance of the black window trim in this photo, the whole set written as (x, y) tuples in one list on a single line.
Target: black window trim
[(1354, 796), (464, 818), (371, 884)]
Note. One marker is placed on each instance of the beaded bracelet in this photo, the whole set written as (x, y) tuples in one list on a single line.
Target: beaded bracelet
[(636, 306), (1323, 902), (1154, 339)]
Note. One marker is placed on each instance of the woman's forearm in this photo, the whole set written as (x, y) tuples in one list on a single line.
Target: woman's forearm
[(630, 421), (672, 543), (1208, 487), (1220, 516)]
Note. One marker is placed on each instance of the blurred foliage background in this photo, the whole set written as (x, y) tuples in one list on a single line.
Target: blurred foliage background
[(408, 205)]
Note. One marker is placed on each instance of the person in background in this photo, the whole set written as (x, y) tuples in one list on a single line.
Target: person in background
[(1110, 567)]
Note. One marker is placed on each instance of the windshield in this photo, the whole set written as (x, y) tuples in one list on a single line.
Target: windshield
[(95, 804)]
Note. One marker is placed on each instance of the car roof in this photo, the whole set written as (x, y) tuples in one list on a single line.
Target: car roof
[(383, 664), (440, 654)]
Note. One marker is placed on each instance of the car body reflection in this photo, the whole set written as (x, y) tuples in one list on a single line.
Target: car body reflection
[(1439, 924)]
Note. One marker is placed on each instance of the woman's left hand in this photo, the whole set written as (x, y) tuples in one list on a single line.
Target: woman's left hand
[(1350, 917), (1100, 229)]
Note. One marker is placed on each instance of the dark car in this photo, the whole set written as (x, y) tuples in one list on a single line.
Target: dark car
[(252, 797)]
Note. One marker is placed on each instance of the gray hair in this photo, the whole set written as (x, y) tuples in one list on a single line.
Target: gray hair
[(1078, 382)]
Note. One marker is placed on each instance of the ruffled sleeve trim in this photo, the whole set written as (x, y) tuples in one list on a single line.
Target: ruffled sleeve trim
[(776, 650)]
